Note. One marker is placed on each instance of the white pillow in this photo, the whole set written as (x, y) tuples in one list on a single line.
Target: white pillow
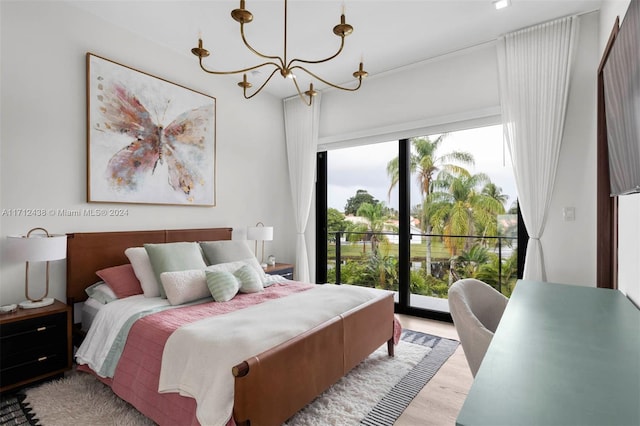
[(144, 271), (185, 286)]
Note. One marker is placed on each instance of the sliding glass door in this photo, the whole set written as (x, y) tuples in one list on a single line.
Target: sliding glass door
[(415, 215)]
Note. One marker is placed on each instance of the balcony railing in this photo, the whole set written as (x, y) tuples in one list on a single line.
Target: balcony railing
[(371, 259)]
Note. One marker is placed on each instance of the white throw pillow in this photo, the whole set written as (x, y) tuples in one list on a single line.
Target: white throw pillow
[(185, 286), (144, 271)]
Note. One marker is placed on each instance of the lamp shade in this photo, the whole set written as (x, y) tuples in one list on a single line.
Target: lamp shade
[(37, 248), (260, 233)]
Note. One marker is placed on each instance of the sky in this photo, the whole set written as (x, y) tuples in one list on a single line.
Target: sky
[(364, 167)]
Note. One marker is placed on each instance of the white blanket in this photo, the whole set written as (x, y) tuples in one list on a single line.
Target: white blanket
[(198, 357), (106, 327)]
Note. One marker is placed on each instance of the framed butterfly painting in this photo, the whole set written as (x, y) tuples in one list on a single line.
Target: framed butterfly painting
[(148, 140)]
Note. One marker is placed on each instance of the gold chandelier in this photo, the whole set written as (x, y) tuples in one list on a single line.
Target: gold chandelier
[(280, 63)]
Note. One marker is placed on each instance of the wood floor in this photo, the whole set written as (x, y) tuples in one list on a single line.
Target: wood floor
[(440, 400)]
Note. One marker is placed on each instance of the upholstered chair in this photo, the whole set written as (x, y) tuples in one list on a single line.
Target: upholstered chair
[(476, 308)]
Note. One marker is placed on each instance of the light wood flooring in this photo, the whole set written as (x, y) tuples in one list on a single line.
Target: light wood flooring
[(440, 400)]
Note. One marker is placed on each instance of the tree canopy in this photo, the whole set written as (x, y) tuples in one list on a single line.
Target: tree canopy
[(354, 203)]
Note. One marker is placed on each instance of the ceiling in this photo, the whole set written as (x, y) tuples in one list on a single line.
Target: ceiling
[(387, 34)]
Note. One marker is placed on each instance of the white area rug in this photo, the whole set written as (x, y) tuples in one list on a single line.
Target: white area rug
[(374, 393)]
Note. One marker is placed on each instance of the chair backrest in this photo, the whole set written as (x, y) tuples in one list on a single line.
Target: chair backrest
[(476, 308)]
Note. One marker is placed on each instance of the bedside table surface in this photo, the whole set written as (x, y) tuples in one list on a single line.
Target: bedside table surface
[(278, 267), (22, 314)]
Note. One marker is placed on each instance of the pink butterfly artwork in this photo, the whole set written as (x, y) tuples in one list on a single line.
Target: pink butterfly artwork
[(142, 144)]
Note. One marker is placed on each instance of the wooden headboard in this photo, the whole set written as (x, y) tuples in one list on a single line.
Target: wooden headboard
[(88, 252)]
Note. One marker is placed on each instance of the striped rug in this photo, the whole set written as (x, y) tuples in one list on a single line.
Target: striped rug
[(15, 412), (387, 411)]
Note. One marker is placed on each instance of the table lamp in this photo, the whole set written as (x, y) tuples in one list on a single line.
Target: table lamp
[(37, 248), (260, 233)]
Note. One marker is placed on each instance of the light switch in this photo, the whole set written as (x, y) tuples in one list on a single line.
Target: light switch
[(569, 213)]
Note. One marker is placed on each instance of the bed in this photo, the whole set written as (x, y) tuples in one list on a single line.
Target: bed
[(268, 387)]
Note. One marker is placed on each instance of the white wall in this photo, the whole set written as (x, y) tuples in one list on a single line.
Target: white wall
[(570, 246), (463, 88), (43, 137), (629, 205)]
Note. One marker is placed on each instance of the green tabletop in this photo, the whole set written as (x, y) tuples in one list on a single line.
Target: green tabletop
[(562, 355)]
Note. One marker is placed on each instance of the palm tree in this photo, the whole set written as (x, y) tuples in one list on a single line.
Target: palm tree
[(494, 191), (469, 262), (426, 165), (501, 277), (374, 213), (357, 232), (457, 208)]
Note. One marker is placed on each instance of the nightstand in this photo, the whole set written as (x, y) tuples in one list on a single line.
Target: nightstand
[(283, 269), (35, 344)]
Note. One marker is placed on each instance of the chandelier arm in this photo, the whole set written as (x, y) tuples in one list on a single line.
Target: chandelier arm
[(239, 71), (246, 43), (259, 88), (304, 61), (301, 94), (328, 83)]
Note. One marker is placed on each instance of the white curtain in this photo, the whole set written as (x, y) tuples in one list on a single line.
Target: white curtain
[(301, 131), (535, 69)]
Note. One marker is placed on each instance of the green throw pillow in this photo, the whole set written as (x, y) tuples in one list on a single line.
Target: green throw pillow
[(171, 257), (225, 251), (250, 281), (223, 285)]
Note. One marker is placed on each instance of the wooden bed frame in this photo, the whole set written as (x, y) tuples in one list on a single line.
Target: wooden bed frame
[(272, 386)]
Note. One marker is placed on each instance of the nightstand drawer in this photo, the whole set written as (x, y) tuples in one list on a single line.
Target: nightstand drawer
[(32, 332), (44, 328), (32, 366)]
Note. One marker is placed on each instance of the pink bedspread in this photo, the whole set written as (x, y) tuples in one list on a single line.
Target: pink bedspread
[(136, 377)]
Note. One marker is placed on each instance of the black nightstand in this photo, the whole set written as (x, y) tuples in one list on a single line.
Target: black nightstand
[(283, 269), (35, 344)]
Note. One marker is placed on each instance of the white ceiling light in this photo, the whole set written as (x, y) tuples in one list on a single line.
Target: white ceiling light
[(501, 4)]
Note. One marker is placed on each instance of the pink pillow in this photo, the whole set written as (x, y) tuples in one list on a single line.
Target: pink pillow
[(121, 280)]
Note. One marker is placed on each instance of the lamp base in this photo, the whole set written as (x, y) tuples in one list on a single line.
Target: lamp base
[(28, 304)]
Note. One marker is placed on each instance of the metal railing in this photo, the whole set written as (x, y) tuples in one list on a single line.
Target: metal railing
[(443, 251)]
